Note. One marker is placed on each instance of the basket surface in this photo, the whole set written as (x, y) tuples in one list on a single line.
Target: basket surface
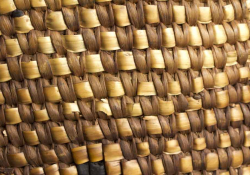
[(124, 87)]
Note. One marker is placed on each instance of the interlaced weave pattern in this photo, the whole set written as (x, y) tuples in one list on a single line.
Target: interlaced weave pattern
[(124, 87)]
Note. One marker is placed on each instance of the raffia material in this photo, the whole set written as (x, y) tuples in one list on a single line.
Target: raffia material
[(124, 87)]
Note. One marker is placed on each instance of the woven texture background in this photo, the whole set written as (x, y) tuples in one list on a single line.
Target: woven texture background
[(124, 87)]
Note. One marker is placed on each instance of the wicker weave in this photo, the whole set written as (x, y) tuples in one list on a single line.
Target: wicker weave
[(124, 87)]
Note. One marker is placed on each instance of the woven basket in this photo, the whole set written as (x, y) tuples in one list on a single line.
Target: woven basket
[(133, 87)]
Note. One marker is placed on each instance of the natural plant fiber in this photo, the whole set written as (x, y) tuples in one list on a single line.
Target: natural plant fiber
[(124, 87)]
